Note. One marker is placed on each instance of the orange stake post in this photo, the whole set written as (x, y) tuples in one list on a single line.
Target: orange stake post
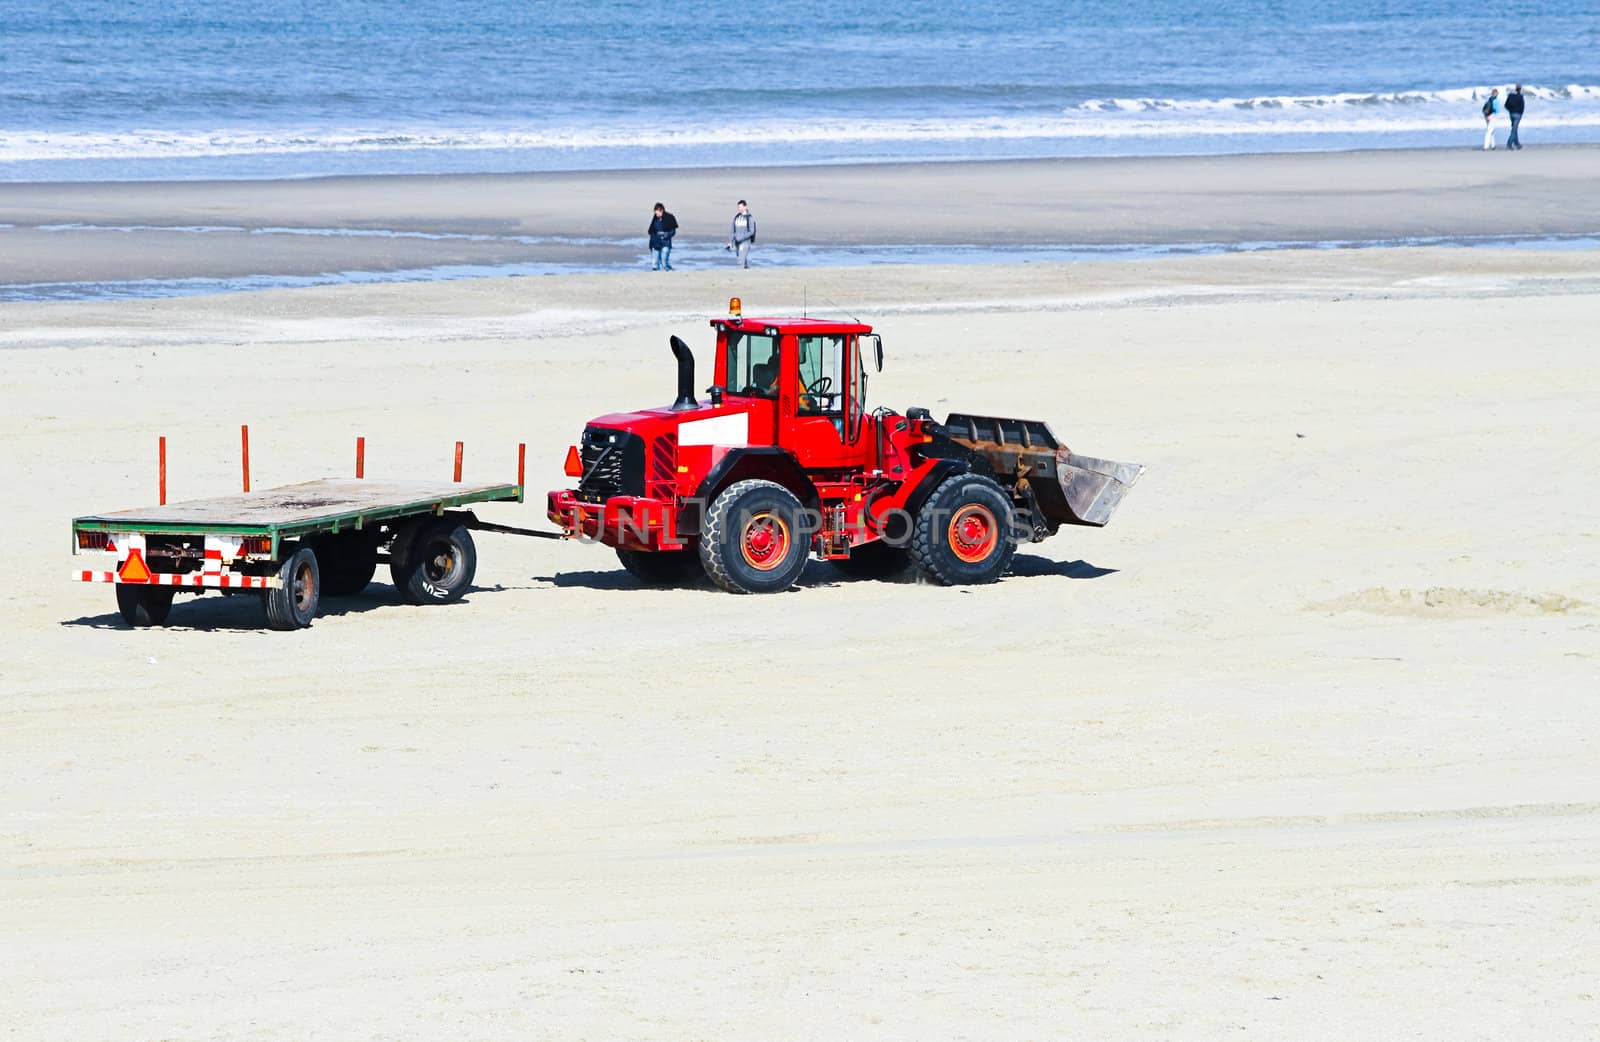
[(361, 457), (458, 460), (163, 454), (244, 448), (522, 467)]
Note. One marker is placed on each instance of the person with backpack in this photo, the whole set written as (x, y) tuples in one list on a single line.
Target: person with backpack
[(744, 233), (1490, 107), (663, 226), (1514, 110)]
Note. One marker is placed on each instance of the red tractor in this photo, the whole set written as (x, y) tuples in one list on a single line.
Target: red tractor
[(784, 460)]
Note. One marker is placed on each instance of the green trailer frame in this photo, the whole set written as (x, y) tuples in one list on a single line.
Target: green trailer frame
[(288, 543)]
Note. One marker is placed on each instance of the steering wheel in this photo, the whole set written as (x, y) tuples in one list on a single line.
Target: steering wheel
[(823, 385)]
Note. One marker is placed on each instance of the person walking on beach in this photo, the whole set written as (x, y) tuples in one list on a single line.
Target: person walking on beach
[(663, 226), (1514, 110), (1490, 107), (744, 233)]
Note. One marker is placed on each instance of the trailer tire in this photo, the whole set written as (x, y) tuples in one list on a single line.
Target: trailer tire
[(661, 567), (144, 605), (436, 564), (293, 604), (752, 540), (875, 560), (348, 563), (965, 532)]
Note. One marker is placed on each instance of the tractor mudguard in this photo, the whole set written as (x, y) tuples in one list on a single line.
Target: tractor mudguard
[(765, 462), (940, 470)]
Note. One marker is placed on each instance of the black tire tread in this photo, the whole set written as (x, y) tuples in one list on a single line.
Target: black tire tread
[(144, 605), (281, 611), (926, 541), (718, 517), (405, 561)]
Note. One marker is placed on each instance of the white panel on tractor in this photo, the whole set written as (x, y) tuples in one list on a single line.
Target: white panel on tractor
[(732, 430)]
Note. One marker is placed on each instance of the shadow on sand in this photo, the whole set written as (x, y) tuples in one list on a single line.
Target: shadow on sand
[(244, 611)]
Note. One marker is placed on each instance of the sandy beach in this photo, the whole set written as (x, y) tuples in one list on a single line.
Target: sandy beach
[(1301, 746), (229, 229)]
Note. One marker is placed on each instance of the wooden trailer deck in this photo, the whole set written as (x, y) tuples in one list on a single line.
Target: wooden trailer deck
[(326, 505)]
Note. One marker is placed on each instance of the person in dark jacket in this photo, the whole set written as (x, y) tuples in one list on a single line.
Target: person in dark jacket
[(1514, 110), (663, 226)]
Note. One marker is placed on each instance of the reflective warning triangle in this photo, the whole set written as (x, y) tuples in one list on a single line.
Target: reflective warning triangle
[(111, 545), (133, 569)]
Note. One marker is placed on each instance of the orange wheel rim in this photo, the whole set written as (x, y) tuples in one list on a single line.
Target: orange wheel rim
[(766, 541), (303, 587), (973, 533)]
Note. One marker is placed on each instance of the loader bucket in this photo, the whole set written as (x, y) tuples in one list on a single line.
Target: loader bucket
[(1066, 488), (1093, 487)]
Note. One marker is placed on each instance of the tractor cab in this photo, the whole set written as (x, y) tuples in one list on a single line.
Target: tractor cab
[(813, 374)]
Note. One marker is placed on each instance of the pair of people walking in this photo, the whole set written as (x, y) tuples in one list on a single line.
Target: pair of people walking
[(663, 226), (1513, 107)]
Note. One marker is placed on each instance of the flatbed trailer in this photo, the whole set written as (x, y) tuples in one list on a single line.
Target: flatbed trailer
[(291, 545)]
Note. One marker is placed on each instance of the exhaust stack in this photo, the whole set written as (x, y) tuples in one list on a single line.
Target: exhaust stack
[(685, 357)]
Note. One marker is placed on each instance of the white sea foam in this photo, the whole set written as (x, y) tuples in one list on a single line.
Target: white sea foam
[(1128, 119)]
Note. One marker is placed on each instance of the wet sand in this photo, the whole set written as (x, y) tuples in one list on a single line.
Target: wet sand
[(598, 219)]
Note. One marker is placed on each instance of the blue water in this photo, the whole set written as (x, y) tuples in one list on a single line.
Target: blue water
[(94, 89)]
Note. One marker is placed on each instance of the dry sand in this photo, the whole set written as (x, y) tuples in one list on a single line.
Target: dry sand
[(1301, 746)]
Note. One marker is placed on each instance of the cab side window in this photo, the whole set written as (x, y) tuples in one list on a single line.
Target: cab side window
[(752, 365), (821, 375)]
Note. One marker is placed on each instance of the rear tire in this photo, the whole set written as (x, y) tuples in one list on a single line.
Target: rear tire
[(965, 533), (292, 605), (751, 540), (875, 560), (436, 565), (144, 605), (661, 567)]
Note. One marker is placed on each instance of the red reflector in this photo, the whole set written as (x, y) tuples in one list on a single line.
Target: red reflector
[(133, 569), (574, 466)]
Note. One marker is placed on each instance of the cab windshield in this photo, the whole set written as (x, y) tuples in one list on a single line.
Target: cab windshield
[(752, 365)]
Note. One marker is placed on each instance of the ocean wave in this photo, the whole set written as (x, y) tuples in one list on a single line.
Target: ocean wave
[(1263, 117), (1313, 102)]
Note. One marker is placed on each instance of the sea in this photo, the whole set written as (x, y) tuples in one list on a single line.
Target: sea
[(96, 90)]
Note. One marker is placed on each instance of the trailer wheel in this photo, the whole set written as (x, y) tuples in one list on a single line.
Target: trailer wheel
[(661, 567), (144, 605), (436, 565), (964, 533), (874, 560), (751, 540), (293, 604), (348, 563)]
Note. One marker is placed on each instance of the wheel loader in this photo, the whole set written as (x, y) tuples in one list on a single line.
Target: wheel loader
[(783, 460)]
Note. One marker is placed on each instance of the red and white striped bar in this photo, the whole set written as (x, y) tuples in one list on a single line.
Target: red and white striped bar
[(207, 580)]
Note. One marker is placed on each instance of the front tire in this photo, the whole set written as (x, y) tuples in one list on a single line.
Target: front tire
[(293, 604), (144, 605), (661, 567), (965, 533), (751, 540), (436, 564)]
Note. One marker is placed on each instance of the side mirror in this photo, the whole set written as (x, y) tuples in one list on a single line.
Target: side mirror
[(877, 350)]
